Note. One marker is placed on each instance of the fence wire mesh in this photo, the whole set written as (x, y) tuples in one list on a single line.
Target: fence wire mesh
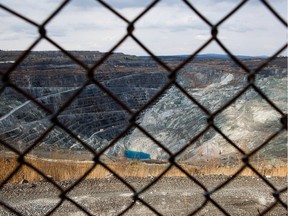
[(172, 73)]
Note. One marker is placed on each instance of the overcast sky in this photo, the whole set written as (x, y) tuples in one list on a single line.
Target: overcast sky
[(169, 28)]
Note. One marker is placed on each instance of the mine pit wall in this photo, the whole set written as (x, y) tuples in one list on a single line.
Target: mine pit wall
[(93, 115)]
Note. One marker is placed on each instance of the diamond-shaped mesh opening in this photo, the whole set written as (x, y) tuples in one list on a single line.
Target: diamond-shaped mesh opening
[(139, 160), (100, 24), (22, 121), (94, 117), (59, 139), (248, 27), (275, 150), (50, 78), (248, 117), (11, 29), (137, 174), (213, 80), (210, 154), (161, 25), (138, 141), (55, 63), (102, 190), (61, 164), (26, 195), (272, 81), (107, 203), (271, 161), (244, 195), (174, 191), (134, 80), (173, 120)]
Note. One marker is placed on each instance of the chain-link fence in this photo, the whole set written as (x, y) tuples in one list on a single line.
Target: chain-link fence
[(90, 72)]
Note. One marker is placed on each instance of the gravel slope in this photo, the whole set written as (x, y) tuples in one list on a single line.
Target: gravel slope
[(170, 196)]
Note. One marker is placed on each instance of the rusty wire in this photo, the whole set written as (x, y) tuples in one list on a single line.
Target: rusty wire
[(171, 74)]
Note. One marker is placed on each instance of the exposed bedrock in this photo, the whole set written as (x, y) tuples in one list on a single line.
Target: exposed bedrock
[(93, 115), (173, 119)]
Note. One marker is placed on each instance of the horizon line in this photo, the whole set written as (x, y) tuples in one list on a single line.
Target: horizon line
[(161, 55)]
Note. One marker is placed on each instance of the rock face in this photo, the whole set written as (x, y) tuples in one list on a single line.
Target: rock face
[(248, 122), (174, 120), (93, 115)]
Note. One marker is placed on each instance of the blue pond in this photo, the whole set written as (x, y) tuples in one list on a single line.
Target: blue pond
[(136, 155)]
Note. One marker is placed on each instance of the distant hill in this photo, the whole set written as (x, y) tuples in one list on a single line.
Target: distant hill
[(225, 56), (209, 56)]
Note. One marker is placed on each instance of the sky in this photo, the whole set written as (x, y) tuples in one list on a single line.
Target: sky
[(170, 28)]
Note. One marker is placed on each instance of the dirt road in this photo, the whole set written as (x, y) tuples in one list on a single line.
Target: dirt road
[(170, 196)]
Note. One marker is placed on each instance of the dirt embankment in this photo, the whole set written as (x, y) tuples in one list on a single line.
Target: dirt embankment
[(62, 170)]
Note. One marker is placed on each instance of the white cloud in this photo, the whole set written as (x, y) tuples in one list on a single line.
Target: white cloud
[(38, 10), (169, 28), (202, 37)]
